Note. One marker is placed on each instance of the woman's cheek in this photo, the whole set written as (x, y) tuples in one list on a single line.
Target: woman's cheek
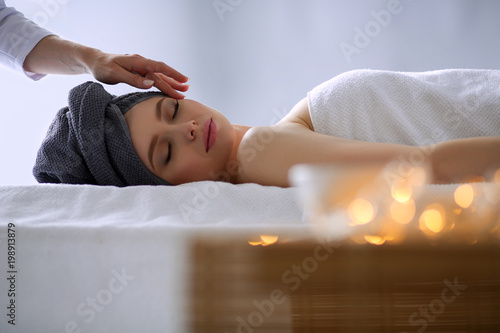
[(191, 171)]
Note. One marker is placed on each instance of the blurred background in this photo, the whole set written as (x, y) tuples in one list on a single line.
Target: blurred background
[(250, 59)]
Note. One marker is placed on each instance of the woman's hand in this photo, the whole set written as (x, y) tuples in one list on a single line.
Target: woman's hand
[(137, 71)]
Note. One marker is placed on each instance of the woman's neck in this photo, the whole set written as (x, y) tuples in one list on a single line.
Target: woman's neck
[(239, 131)]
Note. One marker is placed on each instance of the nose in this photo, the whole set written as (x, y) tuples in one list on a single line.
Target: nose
[(187, 130), (191, 130)]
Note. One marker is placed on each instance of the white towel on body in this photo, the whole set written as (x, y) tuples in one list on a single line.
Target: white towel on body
[(408, 108), (414, 109)]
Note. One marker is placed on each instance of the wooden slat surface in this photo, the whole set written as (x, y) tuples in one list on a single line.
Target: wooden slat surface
[(344, 287)]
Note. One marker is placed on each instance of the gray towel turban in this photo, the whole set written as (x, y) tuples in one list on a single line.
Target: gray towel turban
[(89, 142)]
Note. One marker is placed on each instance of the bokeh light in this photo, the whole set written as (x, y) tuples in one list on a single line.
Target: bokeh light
[(376, 240), (432, 219), (361, 211), (464, 195), (401, 191), (402, 212), (264, 240)]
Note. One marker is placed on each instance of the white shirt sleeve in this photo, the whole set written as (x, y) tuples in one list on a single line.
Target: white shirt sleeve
[(18, 36)]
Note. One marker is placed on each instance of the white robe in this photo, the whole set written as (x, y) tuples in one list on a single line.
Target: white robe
[(18, 36)]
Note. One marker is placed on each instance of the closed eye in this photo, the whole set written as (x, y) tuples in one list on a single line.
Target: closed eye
[(176, 109), (169, 154)]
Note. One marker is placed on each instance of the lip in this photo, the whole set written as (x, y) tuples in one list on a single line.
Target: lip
[(209, 134)]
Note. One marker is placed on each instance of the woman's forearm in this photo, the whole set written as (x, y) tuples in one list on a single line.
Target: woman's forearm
[(54, 55), (267, 153), (463, 159)]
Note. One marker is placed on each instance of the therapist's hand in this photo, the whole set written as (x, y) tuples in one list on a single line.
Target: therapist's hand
[(55, 55), (137, 71)]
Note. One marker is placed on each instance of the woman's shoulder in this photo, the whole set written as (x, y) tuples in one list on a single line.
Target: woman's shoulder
[(298, 115)]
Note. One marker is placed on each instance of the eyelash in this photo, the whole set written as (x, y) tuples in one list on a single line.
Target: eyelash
[(169, 153), (176, 109)]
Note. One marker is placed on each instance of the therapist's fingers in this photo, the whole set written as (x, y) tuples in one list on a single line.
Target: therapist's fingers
[(123, 75), (152, 66), (138, 72), (169, 86), (141, 65), (148, 72), (171, 82)]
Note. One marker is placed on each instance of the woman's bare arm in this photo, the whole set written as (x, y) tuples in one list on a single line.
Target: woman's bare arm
[(462, 159), (267, 153)]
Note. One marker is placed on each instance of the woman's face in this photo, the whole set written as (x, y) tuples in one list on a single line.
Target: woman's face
[(181, 141)]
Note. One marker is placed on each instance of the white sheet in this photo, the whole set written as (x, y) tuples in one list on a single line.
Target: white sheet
[(107, 259), (185, 205), (73, 241)]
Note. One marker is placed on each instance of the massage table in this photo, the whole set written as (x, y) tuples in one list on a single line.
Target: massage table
[(217, 257)]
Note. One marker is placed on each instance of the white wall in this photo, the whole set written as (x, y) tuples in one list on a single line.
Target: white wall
[(252, 62)]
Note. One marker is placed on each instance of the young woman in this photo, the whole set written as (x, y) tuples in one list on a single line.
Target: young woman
[(450, 118)]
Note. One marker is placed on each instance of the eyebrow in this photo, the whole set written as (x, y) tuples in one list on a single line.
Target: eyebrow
[(158, 109), (152, 145)]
